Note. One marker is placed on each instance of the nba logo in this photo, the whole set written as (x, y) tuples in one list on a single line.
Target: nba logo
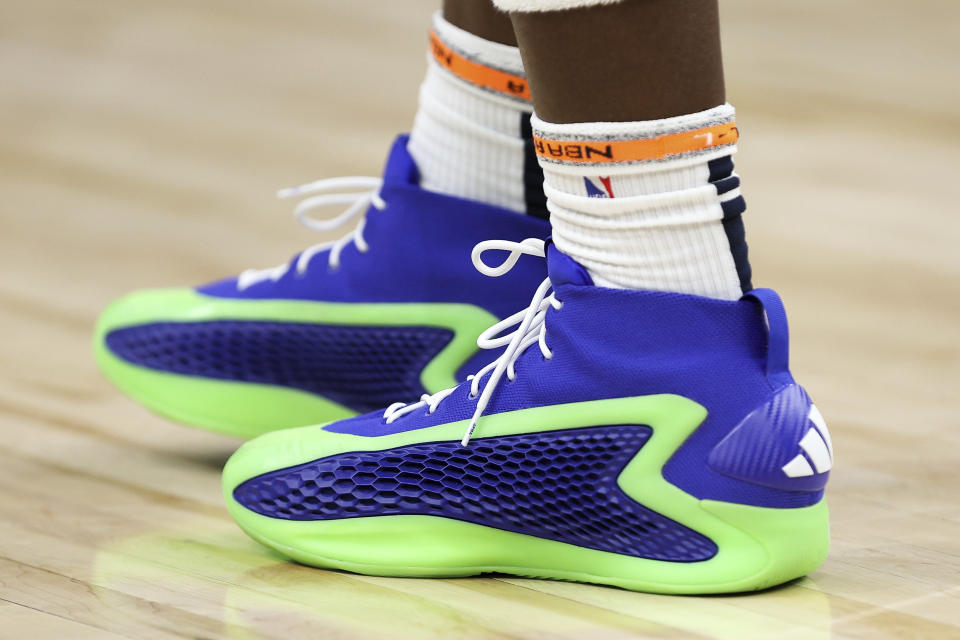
[(602, 191)]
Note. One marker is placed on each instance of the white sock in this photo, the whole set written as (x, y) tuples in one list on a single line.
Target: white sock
[(649, 205), (468, 135)]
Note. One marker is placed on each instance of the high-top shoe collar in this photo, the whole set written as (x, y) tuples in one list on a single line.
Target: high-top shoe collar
[(563, 269), (400, 168)]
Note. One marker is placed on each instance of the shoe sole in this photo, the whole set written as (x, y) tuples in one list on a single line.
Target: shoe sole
[(247, 409), (758, 547), (239, 409)]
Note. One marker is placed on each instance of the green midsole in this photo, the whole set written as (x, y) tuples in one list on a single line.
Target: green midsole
[(757, 546)]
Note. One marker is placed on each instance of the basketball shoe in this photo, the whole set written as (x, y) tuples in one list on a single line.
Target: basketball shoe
[(652, 441), (392, 309)]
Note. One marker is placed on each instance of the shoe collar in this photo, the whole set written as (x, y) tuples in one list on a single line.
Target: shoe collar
[(564, 270), (400, 169)]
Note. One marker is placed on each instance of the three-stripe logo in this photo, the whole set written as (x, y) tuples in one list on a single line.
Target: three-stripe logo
[(817, 449)]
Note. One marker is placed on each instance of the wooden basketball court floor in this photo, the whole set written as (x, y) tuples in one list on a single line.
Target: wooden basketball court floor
[(141, 145)]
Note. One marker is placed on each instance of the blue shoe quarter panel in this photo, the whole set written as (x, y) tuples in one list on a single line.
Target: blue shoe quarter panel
[(420, 247), (710, 351)]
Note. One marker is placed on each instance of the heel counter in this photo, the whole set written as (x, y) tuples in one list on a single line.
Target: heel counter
[(784, 444)]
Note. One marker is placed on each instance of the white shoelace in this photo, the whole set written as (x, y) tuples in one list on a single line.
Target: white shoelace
[(531, 329), (329, 192)]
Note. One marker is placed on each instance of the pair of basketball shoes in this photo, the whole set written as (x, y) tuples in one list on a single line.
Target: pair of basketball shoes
[(653, 441)]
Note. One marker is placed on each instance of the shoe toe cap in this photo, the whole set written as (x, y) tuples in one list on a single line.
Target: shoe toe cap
[(277, 451), (148, 306)]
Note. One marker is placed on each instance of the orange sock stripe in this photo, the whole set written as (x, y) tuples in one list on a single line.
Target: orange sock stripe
[(636, 150), (476, 73)]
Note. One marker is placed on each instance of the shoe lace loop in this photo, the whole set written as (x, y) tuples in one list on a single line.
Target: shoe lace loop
[(530, 328), (322, 194)]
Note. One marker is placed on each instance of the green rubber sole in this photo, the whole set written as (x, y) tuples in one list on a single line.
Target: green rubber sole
[(759, 554), (758, 547), (246, 409), (239, 409)]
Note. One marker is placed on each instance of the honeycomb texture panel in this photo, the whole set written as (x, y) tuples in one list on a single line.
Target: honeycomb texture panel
[(560, 485), (362, 367)]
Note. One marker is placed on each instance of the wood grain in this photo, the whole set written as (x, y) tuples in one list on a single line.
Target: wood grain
[(142, 144)]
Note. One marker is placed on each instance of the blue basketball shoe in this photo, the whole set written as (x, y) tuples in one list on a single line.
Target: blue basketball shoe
[(652, 441), (390, 311)]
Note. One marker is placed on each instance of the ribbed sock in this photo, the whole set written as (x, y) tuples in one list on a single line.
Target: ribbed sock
[(471, 135), (649, 205)]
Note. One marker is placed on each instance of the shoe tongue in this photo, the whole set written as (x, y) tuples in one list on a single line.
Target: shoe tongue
[(563, 269), (400, 168)]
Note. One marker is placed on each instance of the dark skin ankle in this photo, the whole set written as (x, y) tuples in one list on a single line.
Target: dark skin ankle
[(635, 60), (480, 18)]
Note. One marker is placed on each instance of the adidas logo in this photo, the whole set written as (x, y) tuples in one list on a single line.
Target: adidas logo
[(816, 445)]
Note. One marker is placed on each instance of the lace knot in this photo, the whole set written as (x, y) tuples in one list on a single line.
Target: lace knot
[(530, 328)]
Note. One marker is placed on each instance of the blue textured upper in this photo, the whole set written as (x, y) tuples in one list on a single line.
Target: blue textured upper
[(420, 247), (610, 343)]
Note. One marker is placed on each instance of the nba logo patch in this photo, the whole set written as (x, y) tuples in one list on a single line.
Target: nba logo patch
[(604, 190)]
